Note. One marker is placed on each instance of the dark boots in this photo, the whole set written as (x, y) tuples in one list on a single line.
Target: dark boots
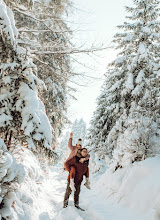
[(77, 206)]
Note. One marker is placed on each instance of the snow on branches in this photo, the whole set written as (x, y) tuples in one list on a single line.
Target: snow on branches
[(11, 176), (22, 113), (43, 29), (126, 123), (7, 24)]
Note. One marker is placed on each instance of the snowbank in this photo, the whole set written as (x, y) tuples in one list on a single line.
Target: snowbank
[(136, 187), (28, 202), (11, 176), (22, 193)]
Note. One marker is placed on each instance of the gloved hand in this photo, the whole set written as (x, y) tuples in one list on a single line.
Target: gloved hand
[(72, 185), (71, 135), (87, 183)]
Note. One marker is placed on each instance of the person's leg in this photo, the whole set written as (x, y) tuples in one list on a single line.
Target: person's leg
[(76, 197), (72, 172), (87, 183), (72, 175), (87, 173), (76, 194), (66, 196)]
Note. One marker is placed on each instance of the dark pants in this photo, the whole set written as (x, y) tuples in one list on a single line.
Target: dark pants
[(68, 193)]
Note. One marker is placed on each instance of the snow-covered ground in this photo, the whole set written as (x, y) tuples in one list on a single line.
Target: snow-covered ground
[(96, 204), (131, 193), (126, 194)]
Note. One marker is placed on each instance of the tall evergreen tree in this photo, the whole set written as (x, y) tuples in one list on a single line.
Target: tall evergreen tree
[(126, 123), (44, 32), (22, 113)]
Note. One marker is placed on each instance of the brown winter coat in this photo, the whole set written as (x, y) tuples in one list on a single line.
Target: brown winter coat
[(81, 169), (73, 153)]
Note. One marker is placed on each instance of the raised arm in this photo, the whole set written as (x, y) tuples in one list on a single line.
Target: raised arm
[(71, 147), (69, 163)]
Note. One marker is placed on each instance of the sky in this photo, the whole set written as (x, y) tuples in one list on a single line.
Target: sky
[(96, 22)]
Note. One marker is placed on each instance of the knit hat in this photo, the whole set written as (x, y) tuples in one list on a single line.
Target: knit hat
[(79, 141)]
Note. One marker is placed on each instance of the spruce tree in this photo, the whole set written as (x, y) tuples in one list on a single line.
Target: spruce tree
[(22, 113), (44, 32), (126, 123)]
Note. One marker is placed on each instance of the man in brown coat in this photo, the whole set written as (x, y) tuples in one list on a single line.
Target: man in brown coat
[(81, 169)]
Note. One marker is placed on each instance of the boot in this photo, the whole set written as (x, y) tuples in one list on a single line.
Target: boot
[(77, 206), (65, 204), (87, 183), (72, 185)]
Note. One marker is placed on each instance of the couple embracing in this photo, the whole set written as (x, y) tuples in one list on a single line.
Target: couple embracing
[(77, 166)]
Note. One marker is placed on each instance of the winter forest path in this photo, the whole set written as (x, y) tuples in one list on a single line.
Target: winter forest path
[(96, 205)]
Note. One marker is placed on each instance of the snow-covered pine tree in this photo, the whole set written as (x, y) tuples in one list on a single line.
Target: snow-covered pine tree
[(43, 30), (79, 130), (126, 123), (57, 70), (22, 113)]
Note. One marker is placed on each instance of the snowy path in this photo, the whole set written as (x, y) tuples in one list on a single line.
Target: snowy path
[(97, 206)]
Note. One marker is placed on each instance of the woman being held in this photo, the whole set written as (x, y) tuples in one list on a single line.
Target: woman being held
[(75, 150)]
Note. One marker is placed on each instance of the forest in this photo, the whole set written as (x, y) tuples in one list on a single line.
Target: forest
[(38, 84)]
